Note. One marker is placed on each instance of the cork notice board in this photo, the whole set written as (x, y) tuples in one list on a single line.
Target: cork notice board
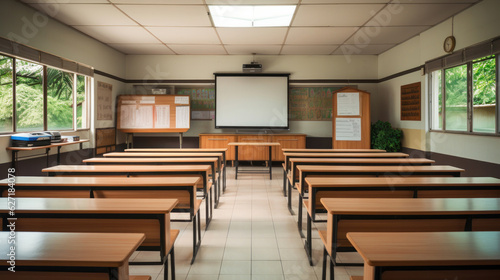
[(410, 102), (153, 113)]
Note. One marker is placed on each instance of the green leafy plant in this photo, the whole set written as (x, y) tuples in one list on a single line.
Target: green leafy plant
[(385, 137)]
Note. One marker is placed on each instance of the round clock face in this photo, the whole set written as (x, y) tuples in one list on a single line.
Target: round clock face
[(449, 44)]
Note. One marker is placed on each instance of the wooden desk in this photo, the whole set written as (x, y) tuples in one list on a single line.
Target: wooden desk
[(180, 188), (333, 150), (292, 175), (370, 171), (224, 152), (88, 254), (270, 145), (405, 214), (148, 216), (400, 187), (216, 165), (47, 148), (139, 170), (212, 161), (429, 255), (288, 156)]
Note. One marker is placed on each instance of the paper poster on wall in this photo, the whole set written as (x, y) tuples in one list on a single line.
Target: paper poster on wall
[(132, 116), (348, 129), (348, 104), (182, 117), (104, 101), (162, 116)]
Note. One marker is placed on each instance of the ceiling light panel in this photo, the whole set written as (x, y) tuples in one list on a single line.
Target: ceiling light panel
[(251, 16)]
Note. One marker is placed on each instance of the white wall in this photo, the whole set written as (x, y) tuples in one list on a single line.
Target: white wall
[(185, 67), (472, 26), (27, 26)]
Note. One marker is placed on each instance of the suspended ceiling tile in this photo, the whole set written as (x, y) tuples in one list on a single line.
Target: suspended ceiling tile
[(438, 1), (198, 49), (253, 49), (168, 15), (335, 15), (85, 14), (308, 49), (410, 14), (148, 49), (252, 2), (252, 36), (384, 35), (362, 49), (345, 1), (66, 1), (118, 34), (185, 35), (319, 35), (148, 2)]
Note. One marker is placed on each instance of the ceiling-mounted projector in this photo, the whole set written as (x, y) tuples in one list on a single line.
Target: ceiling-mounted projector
[(253, 67)]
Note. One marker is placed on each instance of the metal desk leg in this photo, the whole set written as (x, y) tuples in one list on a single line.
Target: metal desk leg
[(236, 162), (270, 163)]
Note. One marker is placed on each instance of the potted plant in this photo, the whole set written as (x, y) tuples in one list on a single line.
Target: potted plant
[(384, 137)]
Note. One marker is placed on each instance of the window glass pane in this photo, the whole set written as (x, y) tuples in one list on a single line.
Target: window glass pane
[(81, 102), (29, 96), (6, 101), (484, 95), (59, 100), (437, 106), (456, 98)]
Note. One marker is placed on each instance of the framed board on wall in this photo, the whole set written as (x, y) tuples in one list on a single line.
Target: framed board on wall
[(153, 113), (410, 102)]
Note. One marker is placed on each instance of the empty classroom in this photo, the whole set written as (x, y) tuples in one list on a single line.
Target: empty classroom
[(228, 140)]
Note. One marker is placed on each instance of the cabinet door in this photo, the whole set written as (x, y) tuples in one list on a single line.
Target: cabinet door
[(218, 141), (287, 142), (253, 153)]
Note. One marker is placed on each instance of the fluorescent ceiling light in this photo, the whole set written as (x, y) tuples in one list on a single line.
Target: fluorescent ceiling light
[(251, 16)]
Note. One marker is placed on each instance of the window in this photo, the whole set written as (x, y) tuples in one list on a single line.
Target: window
[(29, 96), (59, 99), (469, 94), (455, 88), (484, 95), (81, 102), (46, 98), (6, 94)]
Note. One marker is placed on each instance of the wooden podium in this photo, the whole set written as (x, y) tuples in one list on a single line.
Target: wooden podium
[(351, 119)]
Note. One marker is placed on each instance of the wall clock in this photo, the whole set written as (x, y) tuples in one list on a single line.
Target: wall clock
[(449, 44)]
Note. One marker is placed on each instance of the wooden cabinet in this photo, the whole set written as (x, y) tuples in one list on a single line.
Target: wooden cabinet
[(219, 141), (292, 141), (351, 119), (288, 142)]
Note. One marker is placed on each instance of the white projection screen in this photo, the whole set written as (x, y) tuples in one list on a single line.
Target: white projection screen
[(254, 101)]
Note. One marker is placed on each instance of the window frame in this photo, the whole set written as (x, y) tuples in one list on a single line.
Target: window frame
[(470, 102), (86, 113)]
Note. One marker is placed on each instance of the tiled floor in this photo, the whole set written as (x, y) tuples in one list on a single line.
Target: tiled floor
[(252, 236)]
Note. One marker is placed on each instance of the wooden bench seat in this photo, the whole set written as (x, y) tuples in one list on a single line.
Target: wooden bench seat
[(139, 277)]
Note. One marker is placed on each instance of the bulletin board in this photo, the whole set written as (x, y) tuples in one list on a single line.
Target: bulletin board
[(351, 119), (410, 102), (311, 103), (202, 102), (153, 113)]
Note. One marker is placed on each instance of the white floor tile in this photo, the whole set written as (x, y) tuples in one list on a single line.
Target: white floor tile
[(252, 236)]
